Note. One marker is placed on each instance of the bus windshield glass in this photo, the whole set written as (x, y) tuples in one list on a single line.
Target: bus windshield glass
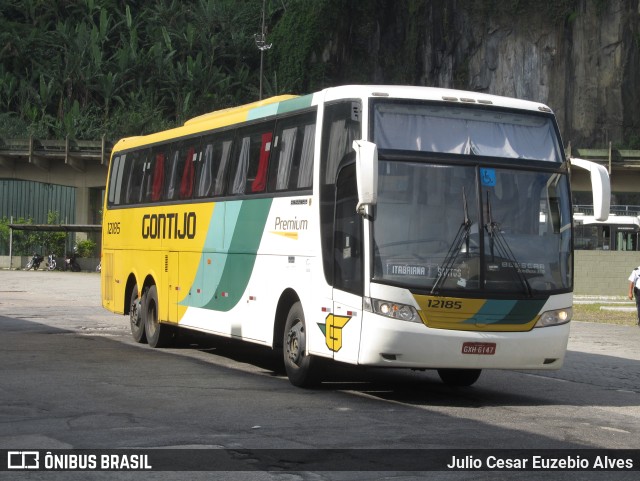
[(453, 228), (465, 130)]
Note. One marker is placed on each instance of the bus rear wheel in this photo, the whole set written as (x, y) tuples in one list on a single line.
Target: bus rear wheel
[(301, 367), (135, 316), (158, 334), (459, 377)]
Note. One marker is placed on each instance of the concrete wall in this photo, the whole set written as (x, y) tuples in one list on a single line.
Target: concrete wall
[(18, 262), (604, 273)]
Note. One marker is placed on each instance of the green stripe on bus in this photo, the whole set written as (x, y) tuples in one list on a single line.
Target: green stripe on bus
[(263, 111), (295, 104), (507, 311), (247, 218), (283, 107)]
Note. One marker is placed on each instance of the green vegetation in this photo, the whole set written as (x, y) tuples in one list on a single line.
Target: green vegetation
[(595, 313), (27, 242), (92, 68), (84, 68), (86, 248)]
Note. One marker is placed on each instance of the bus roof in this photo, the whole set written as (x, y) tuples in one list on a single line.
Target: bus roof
[(613, 219), (287, 103), (209, 121), (435, 94)]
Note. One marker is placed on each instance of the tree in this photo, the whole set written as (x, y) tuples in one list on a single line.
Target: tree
[(82, 67)]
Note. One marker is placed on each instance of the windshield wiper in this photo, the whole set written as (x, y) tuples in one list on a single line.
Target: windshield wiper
[(462, 236), (499, 243)]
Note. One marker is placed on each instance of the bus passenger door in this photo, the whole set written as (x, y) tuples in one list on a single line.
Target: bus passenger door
[(344, 323)]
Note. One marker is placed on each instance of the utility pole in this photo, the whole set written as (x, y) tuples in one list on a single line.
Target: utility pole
[(261, 43)]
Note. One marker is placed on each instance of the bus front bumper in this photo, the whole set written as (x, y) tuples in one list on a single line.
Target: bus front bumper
[(393, 343)]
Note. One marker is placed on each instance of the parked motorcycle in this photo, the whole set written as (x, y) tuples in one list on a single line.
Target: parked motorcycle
[(51, 262), (71, 263), (34, 262)]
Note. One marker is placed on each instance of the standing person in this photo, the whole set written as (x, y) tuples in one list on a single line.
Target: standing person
[(634, 288)]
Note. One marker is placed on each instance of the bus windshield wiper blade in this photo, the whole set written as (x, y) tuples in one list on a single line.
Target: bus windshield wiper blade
[(462, 236), (498, 242)]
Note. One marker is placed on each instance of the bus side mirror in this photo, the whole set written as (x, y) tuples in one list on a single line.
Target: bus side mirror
[(600, 185), (366, 173)]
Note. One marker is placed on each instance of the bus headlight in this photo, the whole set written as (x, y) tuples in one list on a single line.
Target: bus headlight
[(555, 318), (393, 310)]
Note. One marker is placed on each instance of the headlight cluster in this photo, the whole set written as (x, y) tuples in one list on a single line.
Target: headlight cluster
[(555, 318), (394, 310)]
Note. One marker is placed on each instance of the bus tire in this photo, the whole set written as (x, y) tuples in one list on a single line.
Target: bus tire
[(135, 316), (459, 377), (301, 368), (158, 334)]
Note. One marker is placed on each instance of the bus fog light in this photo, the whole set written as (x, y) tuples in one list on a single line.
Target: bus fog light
[(394, 310), (555, 318)]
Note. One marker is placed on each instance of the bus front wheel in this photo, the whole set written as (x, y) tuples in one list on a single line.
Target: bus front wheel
[(158, 334), (301, 367), (459, 377)]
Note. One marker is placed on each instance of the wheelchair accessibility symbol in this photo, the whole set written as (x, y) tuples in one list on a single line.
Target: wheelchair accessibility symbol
[(488, 177)]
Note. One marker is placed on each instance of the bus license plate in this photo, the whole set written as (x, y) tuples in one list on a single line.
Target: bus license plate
[(484, 348)]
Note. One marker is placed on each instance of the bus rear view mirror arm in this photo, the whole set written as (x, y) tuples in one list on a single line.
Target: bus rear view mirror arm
[(366, 173), (600, 185)]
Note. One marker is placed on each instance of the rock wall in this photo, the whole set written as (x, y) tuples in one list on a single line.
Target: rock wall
[(580, 57), (586, 66)]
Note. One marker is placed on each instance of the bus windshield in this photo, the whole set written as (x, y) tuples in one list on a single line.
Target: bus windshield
[(464, 130), (462, 228)]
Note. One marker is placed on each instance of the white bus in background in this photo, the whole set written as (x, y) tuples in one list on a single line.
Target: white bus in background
[(617, 233)]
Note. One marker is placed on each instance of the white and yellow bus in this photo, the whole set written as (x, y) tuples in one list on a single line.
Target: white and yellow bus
[(404, 227)]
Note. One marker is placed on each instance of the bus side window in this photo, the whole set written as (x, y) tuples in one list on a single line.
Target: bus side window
[(259, 172), (136, 177), (157, 182), (252, 160), (606, 238), (116, 180), (212, 166), (204, 171), (240, 178), (186, 182), (285, 144), (180, 171), (222, 151), (348, 274), (341, 126), (146, 188), (173, 168), (305, 170), (293, 154)]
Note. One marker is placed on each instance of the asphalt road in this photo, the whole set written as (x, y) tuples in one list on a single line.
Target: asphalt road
[(71, 377)]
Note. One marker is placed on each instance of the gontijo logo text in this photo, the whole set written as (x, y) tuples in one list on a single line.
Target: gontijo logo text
[(169, 226)]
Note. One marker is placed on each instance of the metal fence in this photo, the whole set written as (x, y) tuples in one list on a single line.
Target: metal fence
[(34, 200), (633, 210)]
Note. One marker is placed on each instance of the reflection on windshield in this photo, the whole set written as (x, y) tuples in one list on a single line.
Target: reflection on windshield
[(451, 228), (466, 131)]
